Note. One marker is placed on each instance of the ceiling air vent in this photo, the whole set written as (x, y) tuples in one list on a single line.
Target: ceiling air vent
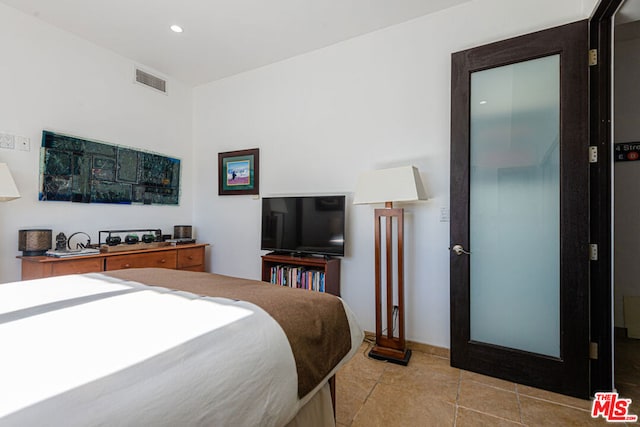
[(150, 80)]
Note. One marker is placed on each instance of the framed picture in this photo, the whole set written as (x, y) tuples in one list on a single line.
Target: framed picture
[(238, 172)]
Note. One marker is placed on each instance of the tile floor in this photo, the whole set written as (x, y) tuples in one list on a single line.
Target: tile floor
[(627, 369), (429, 392)]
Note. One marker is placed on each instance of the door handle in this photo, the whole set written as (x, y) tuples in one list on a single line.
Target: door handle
[(459, 250)]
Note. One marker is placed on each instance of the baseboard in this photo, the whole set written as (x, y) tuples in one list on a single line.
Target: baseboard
[(424, 348)]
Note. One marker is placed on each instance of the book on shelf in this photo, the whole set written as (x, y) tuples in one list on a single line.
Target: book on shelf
[(298, 277)]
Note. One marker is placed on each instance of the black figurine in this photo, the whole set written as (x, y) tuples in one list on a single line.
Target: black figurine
[(61, 242)]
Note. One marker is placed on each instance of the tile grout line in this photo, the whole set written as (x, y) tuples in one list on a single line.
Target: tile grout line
[(455, 412), (519, 403), (556, 402), (377, 381)]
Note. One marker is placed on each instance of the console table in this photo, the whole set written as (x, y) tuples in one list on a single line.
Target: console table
[(181, 257)]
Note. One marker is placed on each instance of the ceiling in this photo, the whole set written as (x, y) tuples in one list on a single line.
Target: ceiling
[(221, 37)]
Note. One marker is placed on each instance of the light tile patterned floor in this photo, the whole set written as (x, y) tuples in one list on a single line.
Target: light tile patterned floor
[(429, 392), (627, 368)]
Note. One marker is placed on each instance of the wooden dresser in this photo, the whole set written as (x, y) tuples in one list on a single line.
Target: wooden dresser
[(182, 257)]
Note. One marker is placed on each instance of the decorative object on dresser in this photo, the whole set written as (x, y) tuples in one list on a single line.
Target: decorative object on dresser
[(239, 172), (72, 246), (128, 240), (74, 242), (8, 189), (131, 239), (113, 240), (61, 242), (34, 242), (64, 246), (182, 231), (386, 186), (182, 234), (148, 238)]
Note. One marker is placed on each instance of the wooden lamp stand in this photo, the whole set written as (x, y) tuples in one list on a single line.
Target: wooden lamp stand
[(389, 347), (401, 184)]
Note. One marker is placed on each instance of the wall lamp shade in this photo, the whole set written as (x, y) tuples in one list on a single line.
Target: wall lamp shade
[(8, 189), (402, 184)]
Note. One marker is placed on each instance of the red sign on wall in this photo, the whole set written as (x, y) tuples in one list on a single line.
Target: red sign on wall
[(627, 151)]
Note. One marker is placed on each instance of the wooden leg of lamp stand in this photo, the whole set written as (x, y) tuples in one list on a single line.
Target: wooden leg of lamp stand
[(389, 347)]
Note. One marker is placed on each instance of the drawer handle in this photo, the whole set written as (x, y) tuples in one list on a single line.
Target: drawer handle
[(162, 261), (126, 265), (190, 257)]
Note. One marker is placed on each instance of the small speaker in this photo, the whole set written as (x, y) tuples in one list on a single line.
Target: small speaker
[(34, 242), (182, 232)]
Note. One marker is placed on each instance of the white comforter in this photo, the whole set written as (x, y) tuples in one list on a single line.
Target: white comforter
[(88, 350)]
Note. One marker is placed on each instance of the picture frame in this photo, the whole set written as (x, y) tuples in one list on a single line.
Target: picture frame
[(239, 172)]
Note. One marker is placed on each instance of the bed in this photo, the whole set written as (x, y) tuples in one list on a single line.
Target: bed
[(167, 347)]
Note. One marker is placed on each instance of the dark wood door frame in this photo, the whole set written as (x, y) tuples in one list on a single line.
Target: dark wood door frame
[(568, 374), (600, 86)]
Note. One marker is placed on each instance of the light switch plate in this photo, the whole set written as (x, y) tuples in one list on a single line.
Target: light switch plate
[(7, 141)]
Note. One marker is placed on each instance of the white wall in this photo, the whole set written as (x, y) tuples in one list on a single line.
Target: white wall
[(50, 79), (321, 118), (627, 176)]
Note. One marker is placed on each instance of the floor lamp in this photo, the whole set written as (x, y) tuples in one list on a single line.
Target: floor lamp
[(8, 189), (386, 186)]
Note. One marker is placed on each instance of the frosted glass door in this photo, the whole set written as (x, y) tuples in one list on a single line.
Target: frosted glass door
[(515, 206), (519, 261)]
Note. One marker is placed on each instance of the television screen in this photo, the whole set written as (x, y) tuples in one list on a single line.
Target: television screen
[(305, 224)]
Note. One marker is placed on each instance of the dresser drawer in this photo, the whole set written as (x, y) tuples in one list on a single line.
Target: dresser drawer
[(78, 266), (164, 259), (193, 257)]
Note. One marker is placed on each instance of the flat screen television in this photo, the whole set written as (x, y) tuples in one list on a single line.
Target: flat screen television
[(303, 225)]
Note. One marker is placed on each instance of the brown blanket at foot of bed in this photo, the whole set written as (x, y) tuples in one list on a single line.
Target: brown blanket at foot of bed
[(314, 323)]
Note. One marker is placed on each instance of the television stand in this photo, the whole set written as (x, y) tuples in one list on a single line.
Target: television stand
[(330, 267)]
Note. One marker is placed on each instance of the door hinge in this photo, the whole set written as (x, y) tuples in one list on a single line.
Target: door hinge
[(593, 350), (593, 57), (593, 154), (593, 252)]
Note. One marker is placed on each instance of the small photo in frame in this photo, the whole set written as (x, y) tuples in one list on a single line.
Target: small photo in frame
[(238, 172)]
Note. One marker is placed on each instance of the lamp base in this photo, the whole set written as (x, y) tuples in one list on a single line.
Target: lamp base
[(399, 357), (34, 253)]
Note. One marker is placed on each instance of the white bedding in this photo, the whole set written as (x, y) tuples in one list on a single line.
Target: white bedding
[(88, 350)]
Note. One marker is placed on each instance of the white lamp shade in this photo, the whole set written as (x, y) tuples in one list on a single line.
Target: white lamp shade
[(401, 184), (8, 189)]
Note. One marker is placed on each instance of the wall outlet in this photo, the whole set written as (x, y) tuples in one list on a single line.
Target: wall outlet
[(7, 141), (23, 143)]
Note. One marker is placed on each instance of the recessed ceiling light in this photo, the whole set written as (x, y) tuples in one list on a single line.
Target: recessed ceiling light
[(176, 28), (483, 102)]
